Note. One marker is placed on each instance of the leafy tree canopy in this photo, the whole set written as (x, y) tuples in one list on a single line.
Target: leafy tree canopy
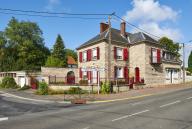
[(58, 56), (169, 45), (24, 46), (54, 62)]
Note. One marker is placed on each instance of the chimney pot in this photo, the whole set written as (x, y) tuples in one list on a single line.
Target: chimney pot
[(123, 28)]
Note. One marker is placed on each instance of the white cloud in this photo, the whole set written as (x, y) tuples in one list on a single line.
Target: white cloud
[(149, 14), (52, 4), (155, 29), (150, 10)]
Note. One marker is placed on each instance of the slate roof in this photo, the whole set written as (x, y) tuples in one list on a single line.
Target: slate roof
[(116, 36)]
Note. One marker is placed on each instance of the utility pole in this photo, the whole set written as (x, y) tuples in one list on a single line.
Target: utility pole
[(109, 49), (183, 62)]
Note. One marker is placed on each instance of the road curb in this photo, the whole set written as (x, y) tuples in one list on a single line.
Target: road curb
[(35, 100)]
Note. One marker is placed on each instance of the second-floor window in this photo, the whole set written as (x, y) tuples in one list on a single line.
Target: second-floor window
[(119, 53), (155, 55), (84, 56), (94, 54)]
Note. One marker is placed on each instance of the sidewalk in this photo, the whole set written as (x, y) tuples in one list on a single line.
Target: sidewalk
[(94, 98)]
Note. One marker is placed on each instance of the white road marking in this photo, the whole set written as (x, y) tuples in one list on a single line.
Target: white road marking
[(86, 128), (189, 98), (3, 118), (123, 117), (165, 105)]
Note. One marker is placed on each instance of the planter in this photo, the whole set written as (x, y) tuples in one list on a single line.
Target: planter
[(78, 101)]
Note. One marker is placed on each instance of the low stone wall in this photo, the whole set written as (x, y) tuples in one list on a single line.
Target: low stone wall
[(89, 88)]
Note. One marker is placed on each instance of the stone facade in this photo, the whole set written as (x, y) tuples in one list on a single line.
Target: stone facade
[(103, 61), (153, 74), (139, 57)]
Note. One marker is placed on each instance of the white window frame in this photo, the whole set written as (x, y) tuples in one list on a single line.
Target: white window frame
[(84, 53), (119, 56), (119, 72), (154, 55), (94, 54)]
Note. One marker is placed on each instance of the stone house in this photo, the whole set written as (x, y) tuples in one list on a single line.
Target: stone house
[(130, 55)]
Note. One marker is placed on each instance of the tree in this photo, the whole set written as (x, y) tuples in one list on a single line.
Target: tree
[(54, 62), (190, 62), (25, 49), (169, 45), (58, 56), (59, 48)]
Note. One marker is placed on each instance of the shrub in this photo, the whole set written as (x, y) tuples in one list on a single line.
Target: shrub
[(42, 88), (105, 88), (8, 82), (74, 90), (25, 87), (55, 92)]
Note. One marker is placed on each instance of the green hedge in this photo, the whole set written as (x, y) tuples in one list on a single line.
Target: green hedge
[(8, 82), (42, 88)]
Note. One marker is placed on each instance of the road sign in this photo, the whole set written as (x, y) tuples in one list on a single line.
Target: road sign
[(92, 69)]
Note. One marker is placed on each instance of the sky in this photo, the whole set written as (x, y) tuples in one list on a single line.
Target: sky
[(171, 18)]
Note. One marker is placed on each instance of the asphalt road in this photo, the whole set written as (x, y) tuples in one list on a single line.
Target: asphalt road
[(165, 111)]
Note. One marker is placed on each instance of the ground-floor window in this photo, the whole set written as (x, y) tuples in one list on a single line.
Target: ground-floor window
[(171, 75), (119, 72)]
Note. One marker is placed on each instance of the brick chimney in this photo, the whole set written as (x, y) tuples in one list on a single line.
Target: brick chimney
[(123, 29), (103, 27)]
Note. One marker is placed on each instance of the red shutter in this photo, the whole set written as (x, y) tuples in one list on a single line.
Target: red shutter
[(125, 54), (158, 56), (98, 53), (125, 72), (115, 71), (87, 55), (80, 73), (115, 53), (80, 56), (90, 54)]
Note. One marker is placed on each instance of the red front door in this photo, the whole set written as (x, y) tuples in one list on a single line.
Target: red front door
[(137, 75)]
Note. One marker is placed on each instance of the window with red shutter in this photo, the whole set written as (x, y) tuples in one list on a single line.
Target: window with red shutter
[(115, 52), (98, 53), (80, 56), (125, 72), (87, 55), (158, 56), (80, 73), (125, 54), (90, 54)]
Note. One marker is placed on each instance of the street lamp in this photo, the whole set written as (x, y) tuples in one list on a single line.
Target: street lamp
[(183, 44)]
